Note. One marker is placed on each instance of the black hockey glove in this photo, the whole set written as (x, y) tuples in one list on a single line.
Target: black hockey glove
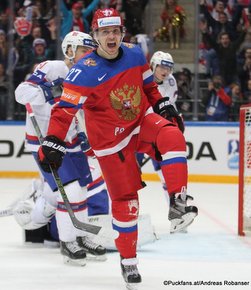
[(167, 111), (51, 153)]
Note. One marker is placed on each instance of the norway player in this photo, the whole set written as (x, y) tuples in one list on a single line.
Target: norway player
[(40, 90), (114, 85)]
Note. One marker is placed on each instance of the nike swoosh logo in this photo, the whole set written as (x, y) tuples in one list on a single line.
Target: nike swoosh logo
[(100, 79), (158, 122)]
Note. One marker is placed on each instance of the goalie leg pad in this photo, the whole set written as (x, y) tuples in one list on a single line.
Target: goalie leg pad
[(146, 232), (42, 211), (22, 214)]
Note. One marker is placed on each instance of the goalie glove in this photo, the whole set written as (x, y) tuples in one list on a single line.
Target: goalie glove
[(51, 153), (46, 88), (167, 111)]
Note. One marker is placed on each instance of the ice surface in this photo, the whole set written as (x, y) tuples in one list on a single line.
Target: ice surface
[(211, 251)]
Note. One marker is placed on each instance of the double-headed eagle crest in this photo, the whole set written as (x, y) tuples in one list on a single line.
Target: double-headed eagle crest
[(90, 62), (126, 102)]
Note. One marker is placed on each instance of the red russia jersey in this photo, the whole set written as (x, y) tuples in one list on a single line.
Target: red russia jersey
[(116, 95)]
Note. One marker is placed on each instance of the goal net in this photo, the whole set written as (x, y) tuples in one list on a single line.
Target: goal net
[(244, 220)]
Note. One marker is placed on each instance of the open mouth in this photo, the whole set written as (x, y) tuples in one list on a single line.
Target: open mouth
[(111, 44)]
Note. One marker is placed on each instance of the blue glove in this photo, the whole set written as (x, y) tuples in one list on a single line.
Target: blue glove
[(85, 146), (46, 87)]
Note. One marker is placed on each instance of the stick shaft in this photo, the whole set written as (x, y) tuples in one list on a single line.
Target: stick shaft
[(78, 224)]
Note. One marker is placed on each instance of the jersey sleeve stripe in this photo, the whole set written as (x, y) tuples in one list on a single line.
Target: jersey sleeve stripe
[(147, 74), (174, 154), (147, 77)]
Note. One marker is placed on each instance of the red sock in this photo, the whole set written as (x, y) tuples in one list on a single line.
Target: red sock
[(125, 217)]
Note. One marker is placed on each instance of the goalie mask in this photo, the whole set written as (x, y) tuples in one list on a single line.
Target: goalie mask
[(75, 39), (163, 59)]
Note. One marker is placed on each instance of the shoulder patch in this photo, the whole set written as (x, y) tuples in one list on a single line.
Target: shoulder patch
[(70, 96), (171, 82), (129, 45), (90, 62)]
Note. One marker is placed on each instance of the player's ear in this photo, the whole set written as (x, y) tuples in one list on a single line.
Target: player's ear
[(123, 31)]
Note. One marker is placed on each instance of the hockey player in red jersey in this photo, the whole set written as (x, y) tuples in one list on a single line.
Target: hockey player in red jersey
[(123, 107), (162, 65)]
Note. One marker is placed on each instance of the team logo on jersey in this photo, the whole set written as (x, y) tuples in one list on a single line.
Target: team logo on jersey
[(70, 96), (133, 207), (126, 102), (171, 82), (90, 62), (129, 45)]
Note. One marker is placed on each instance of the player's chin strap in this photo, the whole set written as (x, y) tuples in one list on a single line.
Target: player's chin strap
[(93, 229)]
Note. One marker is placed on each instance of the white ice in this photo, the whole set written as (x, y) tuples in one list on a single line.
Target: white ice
[(210, 252)]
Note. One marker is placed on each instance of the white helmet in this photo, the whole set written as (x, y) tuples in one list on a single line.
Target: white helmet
[(75, 39), (161, 58)]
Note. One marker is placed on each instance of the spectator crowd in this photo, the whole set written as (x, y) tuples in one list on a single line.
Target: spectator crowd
[(30, 31), (29, 35), (225, 54)]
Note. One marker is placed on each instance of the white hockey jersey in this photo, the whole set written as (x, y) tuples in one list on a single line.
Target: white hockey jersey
[(169, 89), (29, 91)]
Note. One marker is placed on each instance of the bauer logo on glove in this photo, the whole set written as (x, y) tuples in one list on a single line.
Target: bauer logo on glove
[(164, 104), (51, 153), (55, 146)]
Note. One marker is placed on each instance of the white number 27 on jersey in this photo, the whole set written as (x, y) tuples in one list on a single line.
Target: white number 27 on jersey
[(72, 75)]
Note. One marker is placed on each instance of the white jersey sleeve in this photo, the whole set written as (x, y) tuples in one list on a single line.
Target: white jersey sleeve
[(29, 93), (169, 89), (29, 90)]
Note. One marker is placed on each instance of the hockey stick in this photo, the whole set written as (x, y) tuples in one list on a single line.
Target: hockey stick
[(6, 212), (145, 160), (9, 210), (93, 229)]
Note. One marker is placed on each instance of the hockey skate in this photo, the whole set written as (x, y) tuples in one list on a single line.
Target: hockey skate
[(181, 215), (72, 253), (94, 252), (130, 273)]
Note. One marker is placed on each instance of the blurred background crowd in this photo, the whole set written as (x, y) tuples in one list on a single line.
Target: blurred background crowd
[(210, 41)]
